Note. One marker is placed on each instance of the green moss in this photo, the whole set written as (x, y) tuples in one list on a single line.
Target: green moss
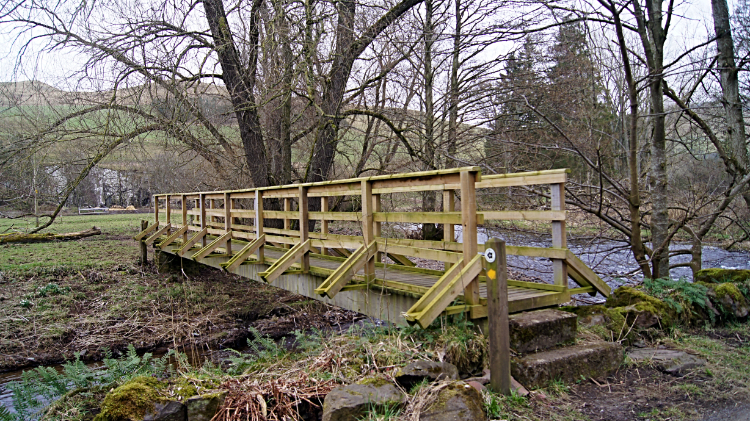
[(728, 289), (132, 400), (185, 389), (455, 390), (625, 296), (715, 275), (376, 381)]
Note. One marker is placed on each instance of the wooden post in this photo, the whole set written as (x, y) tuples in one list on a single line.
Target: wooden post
[(259, 223), (228, 220), (211, 205), (169, 210), (368, 232), (449, 234), (287, 221), (559, 240), (144, 248), (469, 231), (377, 226), (303, 227), (184, 218), (203, 218), (156, 209), (324, 223), (497, 315)]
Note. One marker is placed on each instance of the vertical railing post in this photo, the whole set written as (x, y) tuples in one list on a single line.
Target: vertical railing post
[(156, 209), (259, 223), (203, 218), (376, 226), (211, 205), (367, 227), (144, 247), (303, 226), (559, 240), (449, 205), (287, 221), (228, 220), (497, 315), (184, 217), (324, 223), (168, 210), (469, 230)]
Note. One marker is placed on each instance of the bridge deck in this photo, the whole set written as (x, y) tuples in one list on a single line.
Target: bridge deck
[(402, 279)]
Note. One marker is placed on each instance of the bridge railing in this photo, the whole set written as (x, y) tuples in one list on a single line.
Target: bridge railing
[(242, 214)]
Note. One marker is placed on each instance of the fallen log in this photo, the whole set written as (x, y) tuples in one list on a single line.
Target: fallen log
[(18, 237)]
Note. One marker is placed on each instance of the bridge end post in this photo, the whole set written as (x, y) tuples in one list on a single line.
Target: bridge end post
[(497, 315), (469, 231), (368, 229), (259, 224), (304, 226), (559, 240)]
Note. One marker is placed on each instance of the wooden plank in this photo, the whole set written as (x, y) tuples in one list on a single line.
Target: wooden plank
[(582, 290), (469, 231), (183, 198), (168, 210), (386, 245), (497, 315), (285, 261), (559, 237), (243, 254), (536, 286), (280, 214), (213, 245), (145, 232), (203, 217), (586, 277), (191, 242), (341, 276), (523, 215), (424, 217), (401, 260), (287, 221), (228, 220), (449, 205), (550, 253), (335, 216), (158, 234), (171, 239), (425, 301), (243, 213), (410, 181)]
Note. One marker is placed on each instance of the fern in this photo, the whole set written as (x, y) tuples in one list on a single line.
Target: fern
[(677, 293)]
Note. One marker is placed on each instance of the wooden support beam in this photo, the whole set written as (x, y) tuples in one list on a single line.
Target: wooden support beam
[(287, 221), (156, 209), (146, 231), (449, 205), (228, 220), (169, 210), (323, 223), (344, 273), (203, 217), (243, 254), (584, 276), (285, 262), (191, 242), (425, 217), (449, 287), (213, 245), (469, 229), (401, 260), (559, 240), (185, 222), (524, 215), (368, 230), (171, 239), (377, 226), (304, 228), (497, 315), (259, 223), (157, 234), (385, 245)]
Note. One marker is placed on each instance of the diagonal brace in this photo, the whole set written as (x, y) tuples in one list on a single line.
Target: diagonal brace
[(157, 234), (164, 244), (213, 245), (341, 276), (191, 242), (145, 232), (286, 261), (243, 254)]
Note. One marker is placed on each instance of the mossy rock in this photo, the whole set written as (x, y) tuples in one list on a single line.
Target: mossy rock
[(729, 300), (132, 400), (455, 401), (717, 276)]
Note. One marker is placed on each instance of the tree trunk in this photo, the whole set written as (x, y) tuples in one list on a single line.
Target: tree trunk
[(43, 238)]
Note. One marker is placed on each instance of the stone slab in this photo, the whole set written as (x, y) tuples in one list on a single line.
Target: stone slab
[(567, 364), (541, 329), (671, 361)]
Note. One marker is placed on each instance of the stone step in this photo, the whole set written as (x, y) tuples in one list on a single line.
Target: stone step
[(567, 364), (538, 330)]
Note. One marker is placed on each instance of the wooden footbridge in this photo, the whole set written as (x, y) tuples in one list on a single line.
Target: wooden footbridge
[(370, 273)]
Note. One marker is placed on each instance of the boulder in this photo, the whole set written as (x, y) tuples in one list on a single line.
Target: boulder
[(203, 407), (674, 362), (418, 371), (641, 308), (346, 403), (728, 298), (167, 411), (456, 401)]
